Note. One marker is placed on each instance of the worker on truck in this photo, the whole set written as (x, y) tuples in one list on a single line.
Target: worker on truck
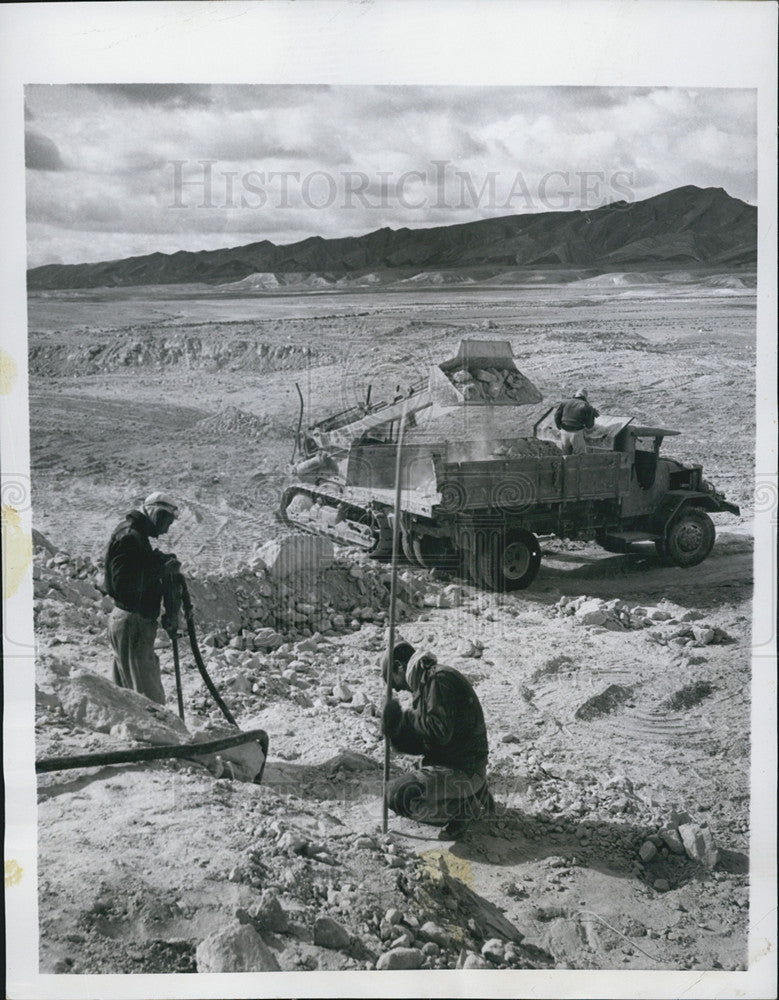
[(445, 725), (572, 417), (139, 578)]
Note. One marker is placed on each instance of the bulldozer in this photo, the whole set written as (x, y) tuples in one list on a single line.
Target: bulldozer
[(483, 476)]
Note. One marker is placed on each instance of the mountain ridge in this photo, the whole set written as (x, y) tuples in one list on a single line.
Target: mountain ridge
[(684, 226)]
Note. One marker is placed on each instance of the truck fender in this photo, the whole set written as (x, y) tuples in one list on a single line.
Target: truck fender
[(673, 502)]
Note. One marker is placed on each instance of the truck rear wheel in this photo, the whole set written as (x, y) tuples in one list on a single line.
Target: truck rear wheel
[(382, 533), (690, 538), (434, 553), (407, 545), (511, 562)]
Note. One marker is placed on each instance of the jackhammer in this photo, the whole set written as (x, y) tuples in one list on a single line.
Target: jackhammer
[(176, 599)]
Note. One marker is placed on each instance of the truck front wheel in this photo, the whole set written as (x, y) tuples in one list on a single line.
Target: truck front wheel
[(511, 562), (689, 539)]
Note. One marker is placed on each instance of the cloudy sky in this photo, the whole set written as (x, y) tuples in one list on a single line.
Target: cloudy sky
[(119, 170)]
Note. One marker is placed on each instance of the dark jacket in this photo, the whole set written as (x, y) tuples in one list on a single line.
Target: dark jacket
[(445, 723), (575, 415), (133, 569)]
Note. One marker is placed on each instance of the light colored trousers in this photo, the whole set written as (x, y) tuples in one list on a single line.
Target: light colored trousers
[(136, 665), (572, 442)]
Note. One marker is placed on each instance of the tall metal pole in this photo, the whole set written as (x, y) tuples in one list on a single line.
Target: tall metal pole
[(393, 601)]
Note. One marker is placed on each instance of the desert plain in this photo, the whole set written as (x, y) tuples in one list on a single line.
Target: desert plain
[(608, 734)]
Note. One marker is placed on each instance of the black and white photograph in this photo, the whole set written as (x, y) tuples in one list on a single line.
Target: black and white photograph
[(389, 500)]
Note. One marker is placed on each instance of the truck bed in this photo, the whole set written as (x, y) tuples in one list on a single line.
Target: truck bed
[(520, 482)]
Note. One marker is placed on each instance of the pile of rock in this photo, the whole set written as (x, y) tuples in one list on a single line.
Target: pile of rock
[(613, 614), (492, 385), (292, 589), (697, 635), (296, 586), (66, 592), (664, 626), (234, 421), (683, 837), (307, 672)]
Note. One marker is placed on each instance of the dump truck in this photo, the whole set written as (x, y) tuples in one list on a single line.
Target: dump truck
[(483, 476)]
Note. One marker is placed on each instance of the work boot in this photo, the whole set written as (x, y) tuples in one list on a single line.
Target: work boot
[(455, 829)]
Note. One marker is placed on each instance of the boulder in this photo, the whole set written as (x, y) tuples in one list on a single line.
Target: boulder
[(592, 612), (97, 703), (359, 701), (432, 931), (647, 852), (84, 588), (240, 684), (268, 914), (244, 763), (672, 840), (494, 949), (698, 844), (267, 639), (474, 961), (236, 949), (328, 933), (309, 645), (400, 958), (296, 554), (342, 692)]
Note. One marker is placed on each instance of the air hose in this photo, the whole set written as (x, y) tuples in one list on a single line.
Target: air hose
[(133, 755), (186, 604), (177, 671), (178, 750)]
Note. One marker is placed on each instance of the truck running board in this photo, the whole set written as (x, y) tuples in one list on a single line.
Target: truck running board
[(634, 536)]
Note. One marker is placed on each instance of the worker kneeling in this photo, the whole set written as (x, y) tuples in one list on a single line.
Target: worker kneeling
[(445, 725)]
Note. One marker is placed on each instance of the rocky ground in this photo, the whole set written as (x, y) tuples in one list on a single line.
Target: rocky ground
[(616, 690)]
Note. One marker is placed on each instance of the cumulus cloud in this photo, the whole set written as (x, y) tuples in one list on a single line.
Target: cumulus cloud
[(172, 95), (40, 153), (287, 162)]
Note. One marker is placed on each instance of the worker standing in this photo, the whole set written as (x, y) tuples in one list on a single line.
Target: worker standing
[(572, 417), (138, 578), (445, 725)]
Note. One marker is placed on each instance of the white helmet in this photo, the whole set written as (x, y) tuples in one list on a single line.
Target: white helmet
[(580, 394), (163, 500)]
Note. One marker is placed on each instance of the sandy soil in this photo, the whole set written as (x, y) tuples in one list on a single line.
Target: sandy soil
[(139, 863)]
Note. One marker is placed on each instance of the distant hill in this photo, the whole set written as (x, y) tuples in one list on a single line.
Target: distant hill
[(686, 226)]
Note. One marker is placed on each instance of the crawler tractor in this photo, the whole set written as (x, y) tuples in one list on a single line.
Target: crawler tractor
[(483, 475)]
